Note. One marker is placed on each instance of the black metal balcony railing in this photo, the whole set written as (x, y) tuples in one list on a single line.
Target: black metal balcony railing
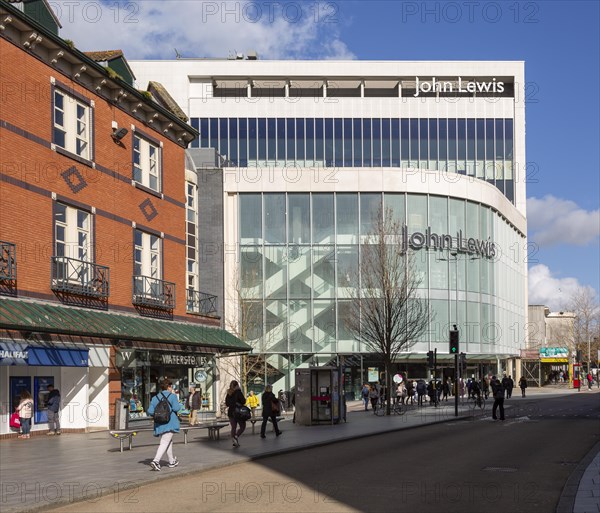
[(8, 261), (201, 303), (79, 277), (152, 292)]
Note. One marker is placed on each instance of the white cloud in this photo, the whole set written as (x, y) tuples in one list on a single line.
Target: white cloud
[(553, 221), (153, 29), (546, 289)]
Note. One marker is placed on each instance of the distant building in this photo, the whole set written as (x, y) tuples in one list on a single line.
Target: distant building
[(550, 345)]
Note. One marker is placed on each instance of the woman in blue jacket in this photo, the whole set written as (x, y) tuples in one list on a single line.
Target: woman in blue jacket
[(165, 430)]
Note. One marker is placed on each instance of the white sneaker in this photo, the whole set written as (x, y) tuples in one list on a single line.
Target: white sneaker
[(174, 463), (154, 465)]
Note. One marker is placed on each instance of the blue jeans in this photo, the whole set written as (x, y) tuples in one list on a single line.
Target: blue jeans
[(25, 425), (366, 400), (53, 421)]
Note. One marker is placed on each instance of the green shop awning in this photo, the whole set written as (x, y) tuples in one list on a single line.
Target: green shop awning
[(23, 315)]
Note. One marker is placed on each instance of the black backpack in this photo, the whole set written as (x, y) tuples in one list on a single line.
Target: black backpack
[(162, 412)]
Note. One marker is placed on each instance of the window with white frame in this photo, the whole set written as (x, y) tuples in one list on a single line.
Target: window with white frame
[(147, 280), (71, 124), (146, 163), (73, 247), (72, 233), (147, 255), (192, 238)]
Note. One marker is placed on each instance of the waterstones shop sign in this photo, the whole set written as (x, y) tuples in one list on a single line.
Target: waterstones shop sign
[(461, 244)]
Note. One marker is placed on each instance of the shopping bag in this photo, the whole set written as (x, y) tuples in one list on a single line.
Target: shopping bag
[(15, 421)]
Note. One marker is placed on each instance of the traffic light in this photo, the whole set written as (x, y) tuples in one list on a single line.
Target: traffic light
[(430, 359), (454, 342)]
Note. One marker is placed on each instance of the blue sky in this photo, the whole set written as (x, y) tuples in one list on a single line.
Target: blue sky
[(559, 42)]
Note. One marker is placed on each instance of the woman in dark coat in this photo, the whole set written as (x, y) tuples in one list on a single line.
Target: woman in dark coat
[(268, 399), (234, 398)]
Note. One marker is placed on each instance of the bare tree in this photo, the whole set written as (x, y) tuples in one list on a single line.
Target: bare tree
[(387, 314), (584, 304), (246, 322)]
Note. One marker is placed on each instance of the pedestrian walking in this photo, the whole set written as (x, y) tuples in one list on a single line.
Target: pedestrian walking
[(233, 399), (431, 392), (252, 402), (271, 408), (504, 383), (421, 389), (410, 392), (510, 384), (445, 390), (522, 385), (498, 391), (163, 408), (374, 397), (282, 400), (365, 396), (400, 393), (53, 405), (193, 404), (485, 386), (25, 410), (590, 380)]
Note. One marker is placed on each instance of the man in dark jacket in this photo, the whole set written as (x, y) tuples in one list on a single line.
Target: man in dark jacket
[(269, 411), (421, 389), (53, 405), (510, 384), (498, 391)]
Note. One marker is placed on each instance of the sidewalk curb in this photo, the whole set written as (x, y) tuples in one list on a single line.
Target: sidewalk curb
[(245, 459), (568, 495)]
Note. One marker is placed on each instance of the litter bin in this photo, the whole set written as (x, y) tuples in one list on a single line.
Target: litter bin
[(121, 414)]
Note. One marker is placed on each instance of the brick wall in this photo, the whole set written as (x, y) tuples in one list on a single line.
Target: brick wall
[(31, 171)]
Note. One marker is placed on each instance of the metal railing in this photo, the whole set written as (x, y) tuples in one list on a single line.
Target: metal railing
[(200, 302), (79, 277), (154, 293), (8, 261)]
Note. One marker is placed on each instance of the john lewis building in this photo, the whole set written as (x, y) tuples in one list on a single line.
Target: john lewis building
[(312, 148)]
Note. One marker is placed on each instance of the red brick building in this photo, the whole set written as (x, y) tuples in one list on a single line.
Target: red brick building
[(93, 232)]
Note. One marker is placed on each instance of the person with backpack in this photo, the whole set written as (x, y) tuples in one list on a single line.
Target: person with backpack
[(235, 398), (163, 408), (498, 391)]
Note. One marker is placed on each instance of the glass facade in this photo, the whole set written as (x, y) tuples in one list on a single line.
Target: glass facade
[(299, 251), (478, 147)]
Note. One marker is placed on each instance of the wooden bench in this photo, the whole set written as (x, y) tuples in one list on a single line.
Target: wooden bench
[(254, 420), (214, 429), (127, 434)]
